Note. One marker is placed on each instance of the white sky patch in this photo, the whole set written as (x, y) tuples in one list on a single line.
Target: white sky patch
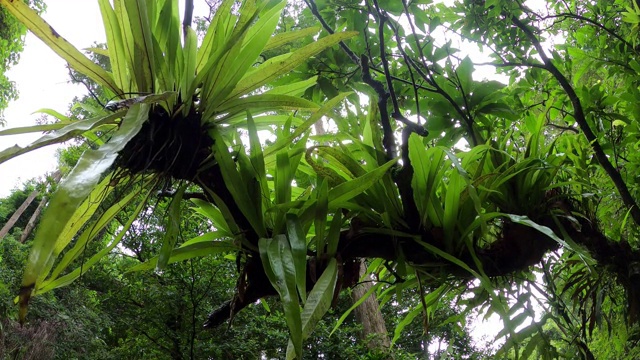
[(43, 82)]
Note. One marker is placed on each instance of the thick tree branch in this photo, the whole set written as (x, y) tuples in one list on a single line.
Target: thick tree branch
[(580, 118), (188, 16), (383, 96)]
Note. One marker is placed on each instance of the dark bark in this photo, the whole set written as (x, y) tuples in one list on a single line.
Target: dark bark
[(188, 16), (579, 116)]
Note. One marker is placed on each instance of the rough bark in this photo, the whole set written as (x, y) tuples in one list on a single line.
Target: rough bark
[(374, 331), (16, 215)]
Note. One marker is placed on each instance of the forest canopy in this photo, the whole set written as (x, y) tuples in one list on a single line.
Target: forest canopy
[(471, 155)]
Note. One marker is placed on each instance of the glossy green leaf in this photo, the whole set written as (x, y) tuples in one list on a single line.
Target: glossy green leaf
[(347, 190), (88, 234), (189, 65), (71, 192), (59, 45), (66, 133), (57, 282), (115, 45), (290, 36), (265, 102), (278, 66), (282, 275), (298, 243), (191, 251), (294, 89), (172, 228), (318, 303), (317, 115), (32, 129), (235, 185)]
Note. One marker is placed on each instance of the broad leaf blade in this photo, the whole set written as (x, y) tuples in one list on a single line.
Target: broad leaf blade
[(66, 133), (59, 45), (318, 302), (71, 192), (172, 229), (272, 69), (298, 242)]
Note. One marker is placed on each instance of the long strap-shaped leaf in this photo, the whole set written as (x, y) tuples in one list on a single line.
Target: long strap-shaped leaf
[(193, 250), (57, 43), (66, 133), (234, 183), (277, 261), (70, 194), (115, 45), (172, 229), (56, 282), (278, 66), (317, 304), (141, 43)]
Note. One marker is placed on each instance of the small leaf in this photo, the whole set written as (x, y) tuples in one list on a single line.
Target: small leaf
[(59, 45)]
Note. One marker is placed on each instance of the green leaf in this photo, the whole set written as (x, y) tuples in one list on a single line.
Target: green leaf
[(172, 228), (290, 36), (317, 115), (234, 183), (257, 161), (136, 31), (189, 71), (318, 303), (214, 214), (71, 192), (88, 234), (347, 190), (321, 213), (294, 89), (115, 45), (568, 243), (194, 250), (55, 114), (355, 305), (333, 237), (32, 129), (277, 66), (281, 265), (59, 45), (264, 102), (69, 131), (57, 282), (298, 242)]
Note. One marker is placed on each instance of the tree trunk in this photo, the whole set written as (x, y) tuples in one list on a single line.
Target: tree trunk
[(374, 331), (32, 221), (16, 215)]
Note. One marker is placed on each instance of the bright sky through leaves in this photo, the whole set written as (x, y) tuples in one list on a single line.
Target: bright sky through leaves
[(43, 82)]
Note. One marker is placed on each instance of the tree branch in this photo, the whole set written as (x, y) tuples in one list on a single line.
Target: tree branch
[(188, 16), (580, 118)]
